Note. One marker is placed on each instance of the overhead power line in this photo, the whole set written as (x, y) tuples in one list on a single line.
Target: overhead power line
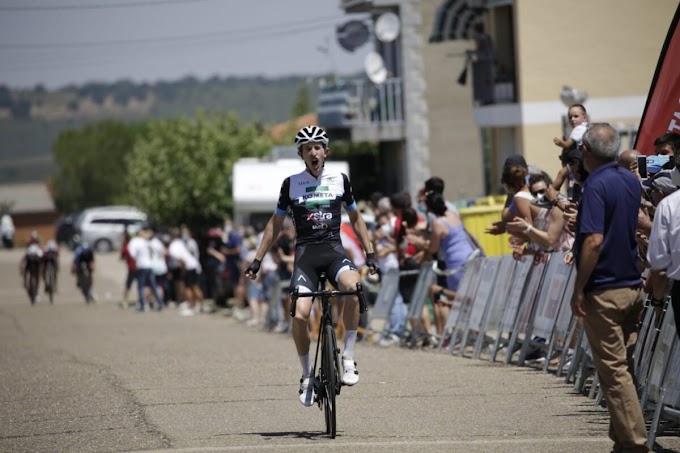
[(82, 61), (295, 26), (128, 4)]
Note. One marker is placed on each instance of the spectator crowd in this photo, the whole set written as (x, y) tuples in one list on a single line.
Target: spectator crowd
[(614, 213)]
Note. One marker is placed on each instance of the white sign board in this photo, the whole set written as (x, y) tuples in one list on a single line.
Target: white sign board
[(256, 184), (484, 292), (550, 297)]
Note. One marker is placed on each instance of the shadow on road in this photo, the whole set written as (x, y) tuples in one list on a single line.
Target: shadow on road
[(310, 435)]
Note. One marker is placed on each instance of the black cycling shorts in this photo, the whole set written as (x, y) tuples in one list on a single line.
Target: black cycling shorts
[(32, 263), (313, 259)]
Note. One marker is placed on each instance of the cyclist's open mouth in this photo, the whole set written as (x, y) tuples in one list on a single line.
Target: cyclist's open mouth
[(315, 164)]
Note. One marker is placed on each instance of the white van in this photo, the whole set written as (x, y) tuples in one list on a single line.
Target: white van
[(103, 227)]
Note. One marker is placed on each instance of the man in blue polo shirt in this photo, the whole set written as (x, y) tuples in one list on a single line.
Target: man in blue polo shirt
[(608, 293)]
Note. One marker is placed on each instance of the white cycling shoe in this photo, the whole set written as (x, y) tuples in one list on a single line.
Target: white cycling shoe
[(350, 374), (307, 393)]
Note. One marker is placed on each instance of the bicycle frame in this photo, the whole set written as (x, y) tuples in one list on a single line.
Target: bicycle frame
[(326, 313)]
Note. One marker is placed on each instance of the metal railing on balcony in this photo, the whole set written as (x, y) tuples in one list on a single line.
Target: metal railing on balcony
[(489, 87), (354, 6), (361, 102)]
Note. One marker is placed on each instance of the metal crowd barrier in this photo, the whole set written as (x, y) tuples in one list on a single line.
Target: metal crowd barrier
[(522, 306)]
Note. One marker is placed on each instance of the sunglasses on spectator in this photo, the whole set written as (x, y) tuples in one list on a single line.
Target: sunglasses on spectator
[(538, 192)]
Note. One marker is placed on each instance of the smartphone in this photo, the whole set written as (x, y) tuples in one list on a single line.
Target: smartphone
[(642, 166)]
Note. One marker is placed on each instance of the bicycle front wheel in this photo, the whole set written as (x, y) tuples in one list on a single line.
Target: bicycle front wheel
[(330, 379)]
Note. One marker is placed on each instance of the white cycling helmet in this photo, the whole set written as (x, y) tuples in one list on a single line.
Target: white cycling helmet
[(311, 134)]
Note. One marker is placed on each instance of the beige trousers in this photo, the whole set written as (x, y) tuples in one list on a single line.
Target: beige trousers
[(611, 322)]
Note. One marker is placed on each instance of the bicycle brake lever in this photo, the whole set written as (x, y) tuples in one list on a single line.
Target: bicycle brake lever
[(293, 300), (362, 301)]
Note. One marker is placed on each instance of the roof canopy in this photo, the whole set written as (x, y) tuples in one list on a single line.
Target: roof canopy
[(454, 19)]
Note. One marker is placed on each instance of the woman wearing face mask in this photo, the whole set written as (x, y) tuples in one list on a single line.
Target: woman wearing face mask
[(548, 230)]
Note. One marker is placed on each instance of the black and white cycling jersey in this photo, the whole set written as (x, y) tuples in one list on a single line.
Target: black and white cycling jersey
[(316, 204)]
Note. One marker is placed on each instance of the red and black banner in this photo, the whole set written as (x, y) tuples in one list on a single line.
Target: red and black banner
[(662, 110)]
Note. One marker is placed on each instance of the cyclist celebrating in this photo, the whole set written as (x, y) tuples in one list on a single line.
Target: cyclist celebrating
[(314, 198)]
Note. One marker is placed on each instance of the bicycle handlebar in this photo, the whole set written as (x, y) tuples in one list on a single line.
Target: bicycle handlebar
[(327, 293), (330, 293)]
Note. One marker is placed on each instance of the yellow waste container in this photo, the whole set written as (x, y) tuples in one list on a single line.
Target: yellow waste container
[(490, 200), (477, 219)]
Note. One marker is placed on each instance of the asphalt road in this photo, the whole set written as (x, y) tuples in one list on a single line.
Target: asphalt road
[(77, 377)]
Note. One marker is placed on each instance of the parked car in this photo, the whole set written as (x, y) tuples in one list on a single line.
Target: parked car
[(103, 227)]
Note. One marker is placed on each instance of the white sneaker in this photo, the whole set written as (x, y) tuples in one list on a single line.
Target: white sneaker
[(241, 314), (388, 341), (307, 393), (186, 311), (281, 327), (350, 374)]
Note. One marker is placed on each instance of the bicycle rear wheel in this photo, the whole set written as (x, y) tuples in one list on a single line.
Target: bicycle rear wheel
[(84, 281), (330, 379), (32, 287), (50, 280)]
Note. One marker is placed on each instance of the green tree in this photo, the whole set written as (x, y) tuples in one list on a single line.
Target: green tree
[(180, 172), (21, 109), (302, 103), (364, 165), (91, 164)]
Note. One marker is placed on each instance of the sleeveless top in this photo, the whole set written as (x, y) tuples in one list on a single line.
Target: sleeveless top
[(455, 246), (541, 222)]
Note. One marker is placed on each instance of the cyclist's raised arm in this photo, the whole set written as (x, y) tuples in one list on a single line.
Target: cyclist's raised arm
[(360, 229), (355, 216), (271, 232)]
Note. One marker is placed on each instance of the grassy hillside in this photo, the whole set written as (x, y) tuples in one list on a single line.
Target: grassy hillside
[(31, 119)]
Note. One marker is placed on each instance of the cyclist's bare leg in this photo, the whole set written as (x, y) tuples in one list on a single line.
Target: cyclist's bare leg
[(285, 304), (347, 281), (303, 307)]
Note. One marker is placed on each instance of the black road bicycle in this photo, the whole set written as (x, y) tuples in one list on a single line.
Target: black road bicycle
[(327, 382)]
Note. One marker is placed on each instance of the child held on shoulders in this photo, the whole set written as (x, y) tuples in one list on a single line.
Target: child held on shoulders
[(578, 119)]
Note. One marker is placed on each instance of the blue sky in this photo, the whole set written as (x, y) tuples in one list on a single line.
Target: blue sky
[(57, 42)]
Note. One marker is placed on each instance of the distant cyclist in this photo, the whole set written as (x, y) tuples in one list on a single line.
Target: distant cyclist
[(84, 255), (314, 197), (30, 263)]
